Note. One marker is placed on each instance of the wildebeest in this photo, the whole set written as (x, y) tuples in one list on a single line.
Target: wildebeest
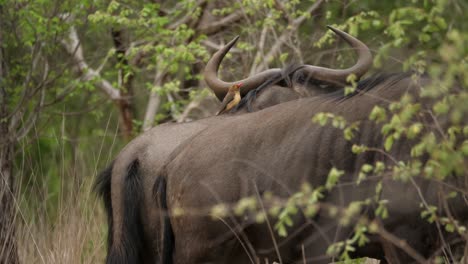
[(133, 217), (276, 150), (236, 156)]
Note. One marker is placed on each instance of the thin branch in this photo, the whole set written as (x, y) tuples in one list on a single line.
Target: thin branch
[(151, 109), (296, 48), (26, 92), (260, 52), (239, 226), (215, 27), (28, 125), (290, 29), (154, 101), (399, 243), (312, 9), (186, 19), (465, 255), (194, 104), (279, 5), (73, 46), (104, 61), (18, 113), (174, 110), (426, 205), (66, 91), (233, 231), (86, 110), (137, 59), (270, 229), (215, 46)]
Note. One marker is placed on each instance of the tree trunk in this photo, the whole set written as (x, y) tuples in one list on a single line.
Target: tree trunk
[(126, 110), (8, 248)]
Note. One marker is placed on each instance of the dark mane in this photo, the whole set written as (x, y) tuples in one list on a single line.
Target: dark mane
[(370, 83), (291, 76)]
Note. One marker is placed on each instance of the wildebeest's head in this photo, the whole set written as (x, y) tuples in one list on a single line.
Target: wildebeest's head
[(280, 85)]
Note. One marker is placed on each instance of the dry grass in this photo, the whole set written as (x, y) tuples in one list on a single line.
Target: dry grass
[(77, 235), (59, 217)]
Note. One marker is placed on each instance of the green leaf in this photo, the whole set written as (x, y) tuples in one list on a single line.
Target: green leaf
[(358, 149), (379, 167), (366, 168), (388, 143), (361, 177), (449, 228), (441, 107), (414, 130), (440, 21), (281, 230), (333, 178), (378, 114), (423, 37)]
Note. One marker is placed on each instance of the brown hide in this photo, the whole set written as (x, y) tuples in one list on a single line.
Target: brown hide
[(145, 156), (276, 150), (152, 149)]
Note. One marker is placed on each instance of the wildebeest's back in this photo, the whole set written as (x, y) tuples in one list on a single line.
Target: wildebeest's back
[(277, 149)]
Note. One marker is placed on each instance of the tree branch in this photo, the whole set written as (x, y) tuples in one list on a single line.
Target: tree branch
[(154, 102), (214, 27), (29, 124), (399, 243), (215, 46), (187, 18), (125, 82), (279, 5), (260, 52), (194, 104), (73, 47), (290, 29)]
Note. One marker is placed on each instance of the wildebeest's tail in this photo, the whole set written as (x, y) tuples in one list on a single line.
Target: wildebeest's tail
[(159, 192), (128, 247), (102, 187)]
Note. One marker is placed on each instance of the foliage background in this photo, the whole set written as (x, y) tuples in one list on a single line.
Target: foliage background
[(68, 115)]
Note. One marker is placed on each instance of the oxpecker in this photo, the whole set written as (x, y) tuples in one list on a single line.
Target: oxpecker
[(231, 99)]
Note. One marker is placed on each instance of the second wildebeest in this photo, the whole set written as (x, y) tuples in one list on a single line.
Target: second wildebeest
[(135, 233), (278, 149)]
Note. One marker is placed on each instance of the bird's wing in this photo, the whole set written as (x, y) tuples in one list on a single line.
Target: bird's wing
[(228, 98)]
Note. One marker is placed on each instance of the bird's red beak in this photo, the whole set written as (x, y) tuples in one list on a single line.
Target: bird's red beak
[(239, 85)]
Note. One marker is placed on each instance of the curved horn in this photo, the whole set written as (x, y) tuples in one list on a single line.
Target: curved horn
[(339, 76), (220, 87)]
